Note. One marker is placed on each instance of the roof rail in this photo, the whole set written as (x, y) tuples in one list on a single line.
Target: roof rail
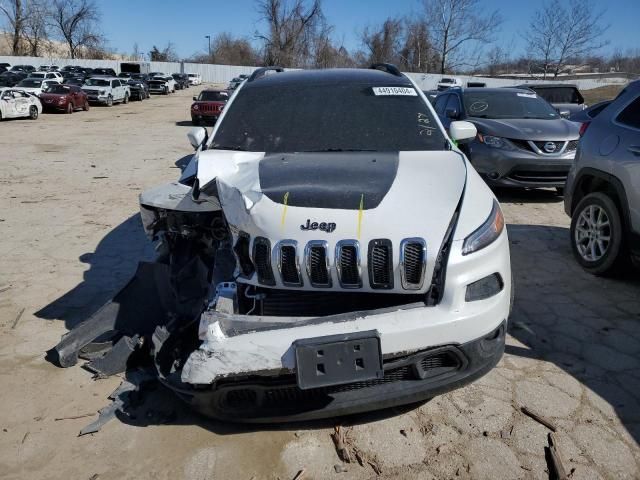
[(387, 67), (260, 72)]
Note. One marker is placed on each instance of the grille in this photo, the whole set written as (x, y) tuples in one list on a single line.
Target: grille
[(558, 145), (572, 145), (289, 271), (413, 263), (348, 263), (241, 250), (523, 144), (552, 176), (282, 394), (380, 264), (262, 260), (208, 108), (317, 264)]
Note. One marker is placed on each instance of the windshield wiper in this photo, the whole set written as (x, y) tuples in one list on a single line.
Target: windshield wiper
[(338, 150), (237, 148)]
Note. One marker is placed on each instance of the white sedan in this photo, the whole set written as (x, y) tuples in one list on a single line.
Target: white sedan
[(54, 76), (34, 85), (16, 103)]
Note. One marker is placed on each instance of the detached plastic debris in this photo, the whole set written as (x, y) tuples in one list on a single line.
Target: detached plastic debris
[(121, 397)]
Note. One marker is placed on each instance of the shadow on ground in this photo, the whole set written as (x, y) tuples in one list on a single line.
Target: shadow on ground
[(521, 195), (588, 326), (111, 266)]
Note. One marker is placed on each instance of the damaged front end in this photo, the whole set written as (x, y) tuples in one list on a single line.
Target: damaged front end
[(270, 302)]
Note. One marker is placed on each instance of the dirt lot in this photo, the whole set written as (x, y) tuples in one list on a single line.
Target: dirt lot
[(71, 237)]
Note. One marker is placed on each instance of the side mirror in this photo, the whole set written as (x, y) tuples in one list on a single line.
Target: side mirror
[(195, 99), (452, 114), (462, 132), (565, 113), (197, 136)]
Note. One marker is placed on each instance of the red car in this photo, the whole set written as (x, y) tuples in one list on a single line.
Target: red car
[(208, 105), (64, 97)]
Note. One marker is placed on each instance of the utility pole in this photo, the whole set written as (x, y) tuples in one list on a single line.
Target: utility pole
[(208, 37)]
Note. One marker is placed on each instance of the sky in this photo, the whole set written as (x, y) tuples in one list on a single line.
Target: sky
[(185, 23)]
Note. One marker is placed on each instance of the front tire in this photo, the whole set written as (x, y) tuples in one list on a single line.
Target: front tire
[(597, 234), (69, 108), (33, 112), (126, 98), (86, 106), (109, 101)]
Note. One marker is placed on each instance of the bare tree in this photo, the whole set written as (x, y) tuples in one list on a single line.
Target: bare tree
[(581, 32), (454, 24), (382, 43), (228, 50), (167, 54), (292, 26), (542, 34), (75, 22), (35, 26), (564, 30), (15, 16), (417, 53)]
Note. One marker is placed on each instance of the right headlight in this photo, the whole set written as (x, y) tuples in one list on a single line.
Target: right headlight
[(486, 233), (495, 142)]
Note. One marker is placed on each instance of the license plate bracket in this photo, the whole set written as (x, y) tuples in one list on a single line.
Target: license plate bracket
[(338, 359)]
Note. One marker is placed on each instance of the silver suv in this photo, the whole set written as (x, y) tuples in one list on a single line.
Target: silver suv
[(602, 193)]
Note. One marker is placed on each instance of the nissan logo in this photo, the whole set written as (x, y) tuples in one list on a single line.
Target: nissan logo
[(550, 147)]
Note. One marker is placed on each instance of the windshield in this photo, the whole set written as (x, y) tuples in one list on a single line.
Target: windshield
[(560, 94), (28, 83), (320, 118), (37, 75), (75, 81), (209, 96), (58, 89), (97, 82), (507, 104)]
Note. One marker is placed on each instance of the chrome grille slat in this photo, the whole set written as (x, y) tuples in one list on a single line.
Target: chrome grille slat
[(287, 260), (317, 263), (380, 262), (413, 262), (262, 260), (348, 263)]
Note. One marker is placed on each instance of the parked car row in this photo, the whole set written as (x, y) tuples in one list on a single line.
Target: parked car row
[(25, 91)]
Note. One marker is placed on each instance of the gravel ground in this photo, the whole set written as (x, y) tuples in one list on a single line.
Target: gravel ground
[(71, 237)]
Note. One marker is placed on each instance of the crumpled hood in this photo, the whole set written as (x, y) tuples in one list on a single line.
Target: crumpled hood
[(528, 129), (338, 196)]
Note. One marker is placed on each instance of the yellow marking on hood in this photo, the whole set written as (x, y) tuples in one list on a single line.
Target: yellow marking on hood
[(284, 210), (360, 214)]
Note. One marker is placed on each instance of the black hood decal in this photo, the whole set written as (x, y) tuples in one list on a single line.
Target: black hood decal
[(341, 180)]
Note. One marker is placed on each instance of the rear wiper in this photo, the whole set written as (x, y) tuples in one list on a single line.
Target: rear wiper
[(229, 147)]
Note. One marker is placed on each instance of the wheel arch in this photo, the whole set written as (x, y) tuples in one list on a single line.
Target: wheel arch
[(592, 180)]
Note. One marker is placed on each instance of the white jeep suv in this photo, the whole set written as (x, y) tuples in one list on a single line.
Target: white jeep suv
[(328, 250)]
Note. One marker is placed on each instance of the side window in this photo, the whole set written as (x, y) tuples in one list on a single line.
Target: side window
[(630, 116), (115, 83), (440, 103), (453, 104)]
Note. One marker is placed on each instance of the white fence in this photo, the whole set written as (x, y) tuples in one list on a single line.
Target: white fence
[(224, 73)]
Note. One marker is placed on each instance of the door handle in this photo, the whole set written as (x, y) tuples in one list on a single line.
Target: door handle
[(635, 149)]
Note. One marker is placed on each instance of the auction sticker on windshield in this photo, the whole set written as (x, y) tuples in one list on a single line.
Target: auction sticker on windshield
[(380, 91)]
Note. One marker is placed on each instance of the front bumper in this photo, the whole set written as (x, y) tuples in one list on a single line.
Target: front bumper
[(246, 361), (519, 168), (98, 98), (407, 379), (202, 116)]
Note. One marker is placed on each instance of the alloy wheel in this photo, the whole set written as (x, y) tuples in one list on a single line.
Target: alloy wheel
[(593, 233)]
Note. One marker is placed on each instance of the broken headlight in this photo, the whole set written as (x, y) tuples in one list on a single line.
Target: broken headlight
[(486, 233)]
